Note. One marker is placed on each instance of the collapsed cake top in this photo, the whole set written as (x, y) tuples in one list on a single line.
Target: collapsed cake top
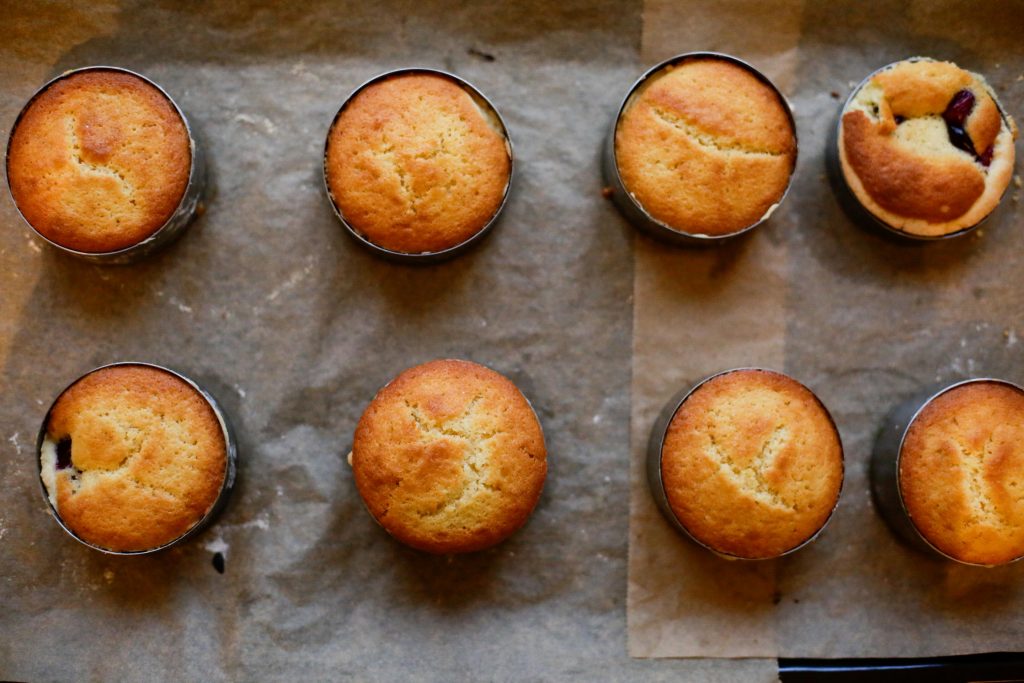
[(927, 147)]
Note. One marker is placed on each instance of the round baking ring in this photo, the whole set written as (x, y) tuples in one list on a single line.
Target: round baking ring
[(231, 457)]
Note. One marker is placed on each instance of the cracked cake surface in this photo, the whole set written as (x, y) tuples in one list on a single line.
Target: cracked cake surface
[(752, 464), (449, 457), (924, 147), (961, 472), (133, 458), (415, 164), (706, 147), (99, 161)]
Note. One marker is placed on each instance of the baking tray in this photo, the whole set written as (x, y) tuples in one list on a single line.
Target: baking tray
[(266, 302)]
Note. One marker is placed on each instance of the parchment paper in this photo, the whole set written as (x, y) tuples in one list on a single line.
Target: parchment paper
[(862, 320), (294, 327)]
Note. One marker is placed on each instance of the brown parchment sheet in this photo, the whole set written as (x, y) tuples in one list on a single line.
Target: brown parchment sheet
[(861, 319), (293, 327)]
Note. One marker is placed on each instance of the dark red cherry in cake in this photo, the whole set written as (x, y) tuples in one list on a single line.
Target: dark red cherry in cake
[(959, 108), (64, 454), (955, 116)]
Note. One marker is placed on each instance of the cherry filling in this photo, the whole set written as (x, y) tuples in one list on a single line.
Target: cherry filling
[(959, 108), (955, 116), (64, 453)]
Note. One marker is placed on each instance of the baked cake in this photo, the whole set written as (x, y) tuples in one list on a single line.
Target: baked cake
[(99, 161), (961, 472), (705, 147), (925, 147), (416, 164), (133, 458), (752, 464), (449, 457)]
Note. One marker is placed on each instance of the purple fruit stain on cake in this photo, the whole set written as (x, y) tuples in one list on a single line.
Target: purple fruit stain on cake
[(959, 108), (64, 453), (986, 156), (955, 116)]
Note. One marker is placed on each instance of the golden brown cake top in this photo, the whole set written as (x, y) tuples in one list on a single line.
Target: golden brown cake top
[(925, 147), (706, 147), (415, 164), (752, 464), (99, 161), (147, 457), (449, 457), (961, 472)]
